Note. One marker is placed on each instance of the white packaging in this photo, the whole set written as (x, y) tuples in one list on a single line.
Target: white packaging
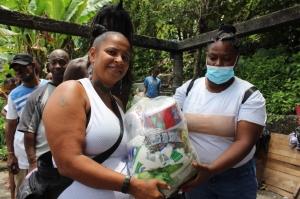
[(159, 145)]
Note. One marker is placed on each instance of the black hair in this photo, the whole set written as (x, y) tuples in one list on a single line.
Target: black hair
[(156, 70), (101, 38), (226, 32), (9, 80), (113, 18)]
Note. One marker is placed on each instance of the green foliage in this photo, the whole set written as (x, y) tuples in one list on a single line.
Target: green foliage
[(275, 73), (2, 129)]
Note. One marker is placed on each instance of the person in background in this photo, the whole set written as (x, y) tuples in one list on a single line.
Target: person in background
[(152, 84), (24, 68), (31, 121), (9, 85), (223, 129), (114, 18), (49, 76), (83, 119)]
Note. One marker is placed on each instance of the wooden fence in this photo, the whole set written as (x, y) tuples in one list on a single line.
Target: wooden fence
[(281, 167)]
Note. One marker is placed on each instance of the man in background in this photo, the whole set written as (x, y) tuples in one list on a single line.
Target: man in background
[(31, 121), (152, 84), (24, 68)]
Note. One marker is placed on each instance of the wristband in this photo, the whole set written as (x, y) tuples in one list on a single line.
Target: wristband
[(126, 183)]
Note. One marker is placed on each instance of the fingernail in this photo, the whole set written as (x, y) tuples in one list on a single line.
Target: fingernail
[(169, 187)]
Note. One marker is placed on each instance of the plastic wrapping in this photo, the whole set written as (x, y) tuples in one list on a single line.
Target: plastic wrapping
[(159, 145)]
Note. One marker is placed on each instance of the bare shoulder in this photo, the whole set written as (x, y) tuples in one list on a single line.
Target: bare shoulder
[(76, 69), (69, 92)]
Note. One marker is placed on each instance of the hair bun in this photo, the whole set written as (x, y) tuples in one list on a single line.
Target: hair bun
[(8, 75), (97, 30), (228, 28)]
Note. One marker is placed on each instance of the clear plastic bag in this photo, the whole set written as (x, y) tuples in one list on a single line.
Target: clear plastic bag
[(159, 145)]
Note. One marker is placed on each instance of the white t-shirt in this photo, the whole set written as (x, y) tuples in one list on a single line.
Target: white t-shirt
[(212, 117), (16, 102), (5, 107)]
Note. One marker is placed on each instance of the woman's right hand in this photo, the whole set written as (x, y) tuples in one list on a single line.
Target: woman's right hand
[(147, 189)]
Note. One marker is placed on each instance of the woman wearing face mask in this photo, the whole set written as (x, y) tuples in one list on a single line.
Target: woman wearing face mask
[(222, 126)]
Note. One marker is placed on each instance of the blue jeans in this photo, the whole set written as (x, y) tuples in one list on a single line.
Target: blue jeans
[(235, 183)]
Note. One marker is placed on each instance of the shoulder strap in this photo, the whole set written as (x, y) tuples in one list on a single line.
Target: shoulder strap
[(248, 93), (190, 86), (103, 156)]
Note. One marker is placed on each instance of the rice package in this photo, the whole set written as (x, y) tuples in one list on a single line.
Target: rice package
[(159, 145)]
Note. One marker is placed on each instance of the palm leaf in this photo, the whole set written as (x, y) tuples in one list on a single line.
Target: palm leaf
[(80, 8), (12, 4), (4, 49), (71, 9), (56, 8), (90, 11), (5, 56), (37, 7), (5, 32), (3, 7)]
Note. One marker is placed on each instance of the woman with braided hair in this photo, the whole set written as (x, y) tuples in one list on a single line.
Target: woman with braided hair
[(225, 117), (113, 18)]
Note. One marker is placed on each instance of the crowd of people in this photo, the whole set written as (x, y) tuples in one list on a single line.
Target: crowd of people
[(65, 135)]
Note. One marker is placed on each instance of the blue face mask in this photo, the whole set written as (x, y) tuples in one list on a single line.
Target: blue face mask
[(219, 74)]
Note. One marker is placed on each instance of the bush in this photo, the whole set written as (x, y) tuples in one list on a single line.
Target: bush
[(275, 73)]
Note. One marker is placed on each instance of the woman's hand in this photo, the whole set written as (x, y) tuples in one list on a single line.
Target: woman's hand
[(204, 174), (147, 189)]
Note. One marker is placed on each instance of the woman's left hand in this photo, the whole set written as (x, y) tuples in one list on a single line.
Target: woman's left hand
[(204, 173)]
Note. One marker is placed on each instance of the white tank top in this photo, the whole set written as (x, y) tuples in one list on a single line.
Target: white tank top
[(102, 132)]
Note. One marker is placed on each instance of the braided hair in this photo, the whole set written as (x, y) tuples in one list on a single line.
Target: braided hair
[(226, 32), (113, 18)]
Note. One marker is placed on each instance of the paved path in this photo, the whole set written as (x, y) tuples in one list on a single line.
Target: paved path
[(5, 194)]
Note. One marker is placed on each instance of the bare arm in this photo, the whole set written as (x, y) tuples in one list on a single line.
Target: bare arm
[(29, 143), (12, 161), (3, 112), (64, 118), (145, 90), (4, 96)]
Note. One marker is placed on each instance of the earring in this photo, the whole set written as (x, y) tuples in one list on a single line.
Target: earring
[(121, 87)]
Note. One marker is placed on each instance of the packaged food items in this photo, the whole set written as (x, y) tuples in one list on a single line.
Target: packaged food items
[(159, 145)]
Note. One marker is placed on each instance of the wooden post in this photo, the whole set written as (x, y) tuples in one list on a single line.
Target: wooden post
[(177, 57)]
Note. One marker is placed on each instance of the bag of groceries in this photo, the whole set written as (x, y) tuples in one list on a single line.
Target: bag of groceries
[(159, 145)]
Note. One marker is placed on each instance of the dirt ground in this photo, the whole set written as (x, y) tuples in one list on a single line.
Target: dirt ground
[(5, 194)]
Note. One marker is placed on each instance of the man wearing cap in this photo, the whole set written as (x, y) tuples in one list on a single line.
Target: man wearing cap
[(31, 124), (24, 68)]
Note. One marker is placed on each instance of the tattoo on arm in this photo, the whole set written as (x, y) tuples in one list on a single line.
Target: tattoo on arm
[(62, 101)]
